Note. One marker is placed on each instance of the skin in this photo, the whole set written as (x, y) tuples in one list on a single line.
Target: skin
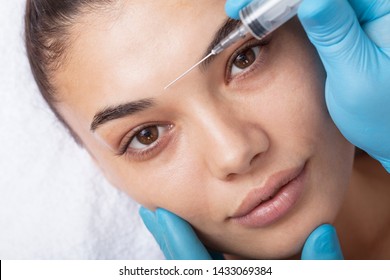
[(226, 137)]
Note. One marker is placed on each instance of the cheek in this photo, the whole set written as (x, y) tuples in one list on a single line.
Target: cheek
[(171, 181), (288, 100), (288, 90)]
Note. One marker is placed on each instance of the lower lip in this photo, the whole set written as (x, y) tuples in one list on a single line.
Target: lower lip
[(272, 210)]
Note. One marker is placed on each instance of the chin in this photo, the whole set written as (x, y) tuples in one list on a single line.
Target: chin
[(281, 245), (277, 250), (251, 251), (283, 240)]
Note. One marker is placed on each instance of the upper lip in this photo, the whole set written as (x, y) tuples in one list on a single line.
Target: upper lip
[(271, 187)]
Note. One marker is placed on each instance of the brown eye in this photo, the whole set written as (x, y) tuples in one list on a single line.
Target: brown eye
[(244, 60), (148, 135)]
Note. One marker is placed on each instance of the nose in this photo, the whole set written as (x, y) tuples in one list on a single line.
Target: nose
[(231, 143)]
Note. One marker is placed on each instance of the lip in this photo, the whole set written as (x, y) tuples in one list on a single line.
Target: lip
[(266, 205)]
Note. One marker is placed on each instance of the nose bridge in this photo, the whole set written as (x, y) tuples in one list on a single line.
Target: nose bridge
[(229, 142)]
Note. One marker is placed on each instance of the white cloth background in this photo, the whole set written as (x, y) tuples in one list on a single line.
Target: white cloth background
[(54, 203)]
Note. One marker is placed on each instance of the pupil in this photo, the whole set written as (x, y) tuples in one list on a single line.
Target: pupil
[(148, 135), (245, 59)]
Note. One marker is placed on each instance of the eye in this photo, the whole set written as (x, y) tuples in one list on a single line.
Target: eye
[(147, 136), (146, 141), (244, 59), (247, 60)]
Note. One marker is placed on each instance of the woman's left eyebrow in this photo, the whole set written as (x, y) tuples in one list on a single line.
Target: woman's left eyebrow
[(120, 111), (227, 27)]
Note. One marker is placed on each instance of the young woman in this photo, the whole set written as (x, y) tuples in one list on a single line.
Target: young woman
[(244, 148)]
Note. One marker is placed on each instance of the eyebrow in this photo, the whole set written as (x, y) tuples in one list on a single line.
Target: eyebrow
[(131, 108), (123, 110), (227, 27)]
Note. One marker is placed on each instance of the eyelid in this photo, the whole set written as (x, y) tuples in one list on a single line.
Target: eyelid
[(247, 45), (126, 141)]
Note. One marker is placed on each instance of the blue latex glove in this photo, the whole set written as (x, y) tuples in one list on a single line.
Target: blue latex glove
[(175, 236), (353, 40), (178, 240)]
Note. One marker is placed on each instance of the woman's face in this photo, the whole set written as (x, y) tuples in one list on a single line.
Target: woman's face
[(243, 147)]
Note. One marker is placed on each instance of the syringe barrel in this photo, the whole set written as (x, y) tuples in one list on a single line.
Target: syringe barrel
[(261, 17)]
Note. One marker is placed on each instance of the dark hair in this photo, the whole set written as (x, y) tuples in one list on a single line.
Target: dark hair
[(47, 37)]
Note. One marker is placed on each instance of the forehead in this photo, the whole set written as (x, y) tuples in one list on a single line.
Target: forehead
[(138, 50)]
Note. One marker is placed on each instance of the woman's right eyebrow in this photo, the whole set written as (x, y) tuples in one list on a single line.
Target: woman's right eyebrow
[(115, 112)]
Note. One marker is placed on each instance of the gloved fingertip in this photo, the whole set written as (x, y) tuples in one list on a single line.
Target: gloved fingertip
[(329, 18), (149, 218), (172, 225), (331, 26), (322, 244), (166, 218), (152, 224), (181, 240), (386, 165), (314, 10), (233, 7), (385, 162), (144, 212), (147, 215)]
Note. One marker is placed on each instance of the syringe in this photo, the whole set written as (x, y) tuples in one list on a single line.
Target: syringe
[(259, 18)]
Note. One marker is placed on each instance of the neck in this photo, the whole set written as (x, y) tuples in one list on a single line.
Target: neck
[(363, 224)]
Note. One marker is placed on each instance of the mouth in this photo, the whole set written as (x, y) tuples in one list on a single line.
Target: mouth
[(271, 202)]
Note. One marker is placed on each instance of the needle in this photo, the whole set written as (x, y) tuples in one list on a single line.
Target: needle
[(233, 37), (189, 70), (259, 19)]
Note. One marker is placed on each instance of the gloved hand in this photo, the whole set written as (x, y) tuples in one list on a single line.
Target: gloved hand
[(175, 236), (178, 240), (353, 40)]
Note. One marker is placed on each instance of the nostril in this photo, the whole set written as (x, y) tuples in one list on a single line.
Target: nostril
[(254, 159), (230, 177)]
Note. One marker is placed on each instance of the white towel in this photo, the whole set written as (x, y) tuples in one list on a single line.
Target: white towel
[(54, 203)]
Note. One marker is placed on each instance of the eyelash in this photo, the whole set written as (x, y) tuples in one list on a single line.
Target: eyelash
[(247, 46), (147, 152)]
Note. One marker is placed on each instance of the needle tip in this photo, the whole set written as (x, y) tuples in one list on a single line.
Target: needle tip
[(189, 70)]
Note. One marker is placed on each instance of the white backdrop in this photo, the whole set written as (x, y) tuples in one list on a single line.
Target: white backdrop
[(54, 204)]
